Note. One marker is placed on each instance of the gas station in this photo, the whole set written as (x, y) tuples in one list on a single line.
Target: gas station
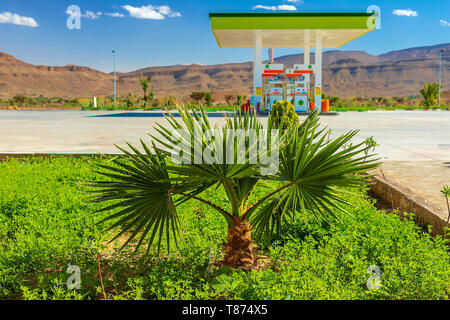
[(301, 84)]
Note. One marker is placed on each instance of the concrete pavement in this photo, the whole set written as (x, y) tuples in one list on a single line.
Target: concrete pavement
[(407, 136)]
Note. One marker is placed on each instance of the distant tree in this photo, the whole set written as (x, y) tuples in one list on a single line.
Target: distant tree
[(155, 103), (145, 84), (334, 100), (19, 99), (170, 102), (239, 99), (388, 102), (229, 98), (430, 94), (129, 101), (197, 96), (208, 98)]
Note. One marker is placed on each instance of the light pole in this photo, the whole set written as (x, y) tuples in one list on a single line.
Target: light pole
[(440, 74), (115, 92)]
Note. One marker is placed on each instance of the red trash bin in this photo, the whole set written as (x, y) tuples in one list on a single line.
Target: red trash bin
[(325, 105)]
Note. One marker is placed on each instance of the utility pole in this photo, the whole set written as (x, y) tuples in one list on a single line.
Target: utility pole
[(115, 92), (440, 74)]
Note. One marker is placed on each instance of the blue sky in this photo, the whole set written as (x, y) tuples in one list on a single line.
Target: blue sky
[(167, 32)]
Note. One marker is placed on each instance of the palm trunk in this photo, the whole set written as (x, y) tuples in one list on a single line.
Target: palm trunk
[(239, 246)]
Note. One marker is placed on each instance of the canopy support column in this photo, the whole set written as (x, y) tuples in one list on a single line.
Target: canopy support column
[(318, 75), (307, 57), (257, 64), (307, 46)]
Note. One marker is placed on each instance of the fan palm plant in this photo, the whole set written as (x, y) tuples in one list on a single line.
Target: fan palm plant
[(145, 83), (146, 187), (430, 93)]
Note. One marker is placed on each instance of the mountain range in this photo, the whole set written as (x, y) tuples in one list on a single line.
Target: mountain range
[(345, 73)]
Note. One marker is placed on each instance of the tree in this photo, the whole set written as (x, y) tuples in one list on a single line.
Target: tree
[(430, 94), (145, 84), (129, 101), (19, 99), (239, 99), (208, 98), (146, 188), (170, 101), (334, 100), (197, 96), (229, 98)]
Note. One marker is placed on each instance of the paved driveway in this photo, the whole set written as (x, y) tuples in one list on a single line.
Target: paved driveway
[(408, 135)]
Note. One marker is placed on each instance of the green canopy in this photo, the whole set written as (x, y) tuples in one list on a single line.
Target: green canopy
[(287, 30)]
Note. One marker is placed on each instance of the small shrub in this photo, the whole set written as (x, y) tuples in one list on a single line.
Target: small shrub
[(198, 96), (430, 94), (283, 113), (20, 100), (170, 101), (85, 102), (130, 101), (229, 99)]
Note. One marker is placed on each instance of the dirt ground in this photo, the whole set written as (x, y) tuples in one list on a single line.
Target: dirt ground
[(37, 108)]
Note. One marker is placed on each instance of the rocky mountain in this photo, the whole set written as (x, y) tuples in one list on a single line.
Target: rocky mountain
[(346, 73), (18, 77)]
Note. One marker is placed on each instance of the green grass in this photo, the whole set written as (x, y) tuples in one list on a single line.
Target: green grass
[(332, 109), (44, 225), (229, 108), (366, 108)]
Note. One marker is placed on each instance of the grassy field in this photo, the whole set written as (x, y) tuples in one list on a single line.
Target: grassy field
[(365, 108), (45, 225), (133, 102)]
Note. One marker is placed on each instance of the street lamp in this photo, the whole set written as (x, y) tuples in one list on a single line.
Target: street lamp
[(440, 74), (115, 92)]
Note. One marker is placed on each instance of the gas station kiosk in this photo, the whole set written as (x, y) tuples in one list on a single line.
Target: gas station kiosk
[(301, 84)]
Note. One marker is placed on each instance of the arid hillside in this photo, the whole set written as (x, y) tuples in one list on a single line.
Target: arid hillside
[(346, 73)]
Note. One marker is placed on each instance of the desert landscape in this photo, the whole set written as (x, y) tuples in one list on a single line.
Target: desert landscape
[(216, 189), (346, 74)]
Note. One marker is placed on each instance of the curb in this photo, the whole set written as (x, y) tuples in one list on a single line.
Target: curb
[(405, 200), (3, 156)]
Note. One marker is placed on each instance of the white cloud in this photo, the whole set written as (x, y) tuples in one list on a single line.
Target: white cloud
[(165, 10), (115, 14), (151, 12), (88, 14), (283, 7), (405, 12), (72, 12), (12, 18), (91, 15), (295, 1), (444, 23)]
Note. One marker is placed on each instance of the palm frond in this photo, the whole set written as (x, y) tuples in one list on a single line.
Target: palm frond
[(141, 189), (312, 169)]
